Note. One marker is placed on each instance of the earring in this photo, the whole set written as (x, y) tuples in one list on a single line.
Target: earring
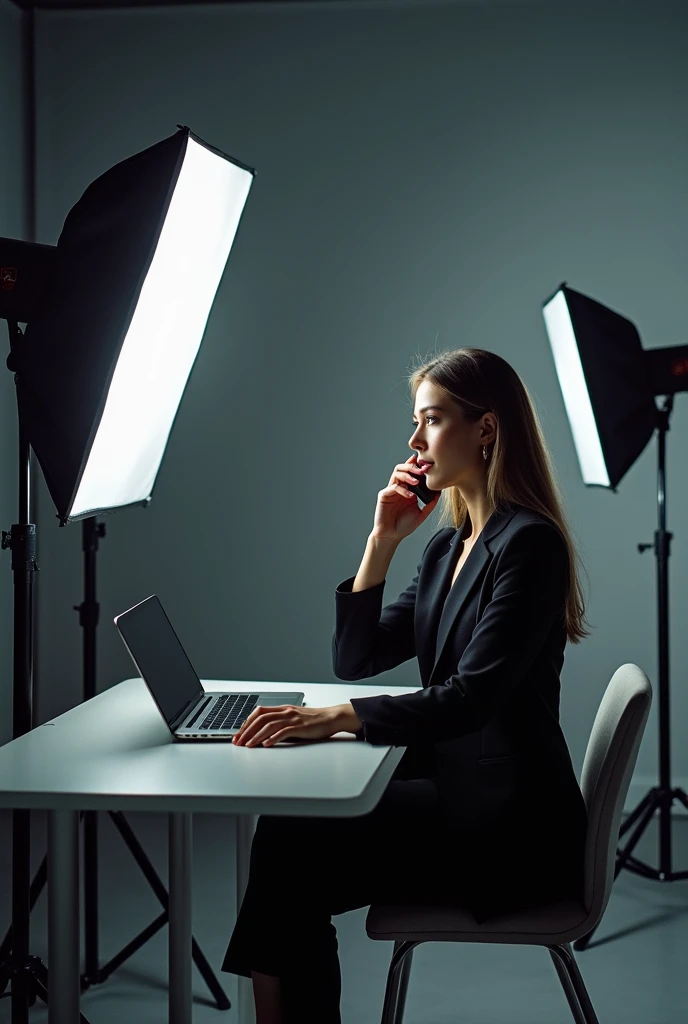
[(485, 452)]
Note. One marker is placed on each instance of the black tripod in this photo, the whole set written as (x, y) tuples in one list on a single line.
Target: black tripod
[(94, 974), (27, 974), (660, 798)]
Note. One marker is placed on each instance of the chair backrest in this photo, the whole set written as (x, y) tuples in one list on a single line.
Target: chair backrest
[(609, 762)]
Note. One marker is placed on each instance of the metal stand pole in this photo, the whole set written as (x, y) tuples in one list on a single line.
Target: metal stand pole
[(88, 617), (28, 974), (660, 798)]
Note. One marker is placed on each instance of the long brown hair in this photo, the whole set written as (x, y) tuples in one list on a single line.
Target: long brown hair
[(519, 468)]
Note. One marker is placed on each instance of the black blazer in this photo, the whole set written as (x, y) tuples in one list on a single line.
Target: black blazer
[(486, 723)]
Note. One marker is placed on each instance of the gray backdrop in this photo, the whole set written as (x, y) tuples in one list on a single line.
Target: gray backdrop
[(427, 174)]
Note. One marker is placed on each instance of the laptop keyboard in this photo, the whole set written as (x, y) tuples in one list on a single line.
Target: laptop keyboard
[(229, 711)]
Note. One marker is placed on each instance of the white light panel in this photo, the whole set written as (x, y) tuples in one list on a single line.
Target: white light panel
[(575, 391), (165, 332)]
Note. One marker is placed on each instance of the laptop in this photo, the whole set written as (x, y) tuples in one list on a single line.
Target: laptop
[(191, 712)]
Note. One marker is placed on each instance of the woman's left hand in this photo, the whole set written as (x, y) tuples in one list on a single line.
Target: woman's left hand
[(288, 721)]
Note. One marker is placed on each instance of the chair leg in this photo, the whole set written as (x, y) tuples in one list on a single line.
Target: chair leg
[(565, 954), (568, 988), (403, 983), (397, 982)]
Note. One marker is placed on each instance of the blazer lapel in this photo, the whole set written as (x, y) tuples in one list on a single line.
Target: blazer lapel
[(433, 603), (471, 575)]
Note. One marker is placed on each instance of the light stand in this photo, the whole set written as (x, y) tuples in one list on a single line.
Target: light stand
[(28, 974), (609, 384)]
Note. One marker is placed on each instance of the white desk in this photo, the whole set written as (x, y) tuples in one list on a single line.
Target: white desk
[(114, 752)]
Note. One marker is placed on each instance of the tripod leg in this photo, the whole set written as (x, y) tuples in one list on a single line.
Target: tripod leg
[(639, 868), (39, 880), (665, 851), (153, 879), (34, 970), (636, 812), (132, 947), (681, 795), (139, 855), (40, 974), (63, 916), (37, 885), (209, 978), (624, 854)]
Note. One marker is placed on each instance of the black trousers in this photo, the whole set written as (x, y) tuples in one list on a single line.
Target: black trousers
[(304, 870)]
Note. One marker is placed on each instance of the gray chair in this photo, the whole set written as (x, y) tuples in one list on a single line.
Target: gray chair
[(609, 762)]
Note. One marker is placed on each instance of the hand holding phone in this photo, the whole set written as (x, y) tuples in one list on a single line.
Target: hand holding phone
[(397, 513), (423, 491)]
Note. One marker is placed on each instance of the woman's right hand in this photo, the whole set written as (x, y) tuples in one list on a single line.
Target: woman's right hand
[(397, 513)]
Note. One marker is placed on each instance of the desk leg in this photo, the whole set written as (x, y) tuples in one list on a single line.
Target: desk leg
[(180, 919), (64, 984), (245, 827)]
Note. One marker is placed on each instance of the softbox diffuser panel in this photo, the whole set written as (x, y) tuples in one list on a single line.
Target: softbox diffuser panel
[(102, 368), (604, 380)]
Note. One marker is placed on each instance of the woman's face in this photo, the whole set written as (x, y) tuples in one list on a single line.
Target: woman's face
[(445, 437)]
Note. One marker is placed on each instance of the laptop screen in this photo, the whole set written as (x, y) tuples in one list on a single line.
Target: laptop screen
[(159, 656)]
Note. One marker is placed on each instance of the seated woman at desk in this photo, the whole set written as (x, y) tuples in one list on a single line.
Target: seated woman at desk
[(484, 809)]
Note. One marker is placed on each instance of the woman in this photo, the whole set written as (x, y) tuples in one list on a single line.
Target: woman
[(484, 809)]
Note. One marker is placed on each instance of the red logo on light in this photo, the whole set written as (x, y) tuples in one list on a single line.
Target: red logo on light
[(8, 278)]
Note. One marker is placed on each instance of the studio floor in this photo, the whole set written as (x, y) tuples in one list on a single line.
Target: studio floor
[(636, 969)]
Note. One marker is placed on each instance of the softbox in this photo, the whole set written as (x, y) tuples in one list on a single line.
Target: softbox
[(102, 366)]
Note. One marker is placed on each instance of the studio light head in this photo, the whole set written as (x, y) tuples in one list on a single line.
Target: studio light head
[(115, 314), (608, 383)]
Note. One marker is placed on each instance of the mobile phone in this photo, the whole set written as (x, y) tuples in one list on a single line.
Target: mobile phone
[(422, 491)]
